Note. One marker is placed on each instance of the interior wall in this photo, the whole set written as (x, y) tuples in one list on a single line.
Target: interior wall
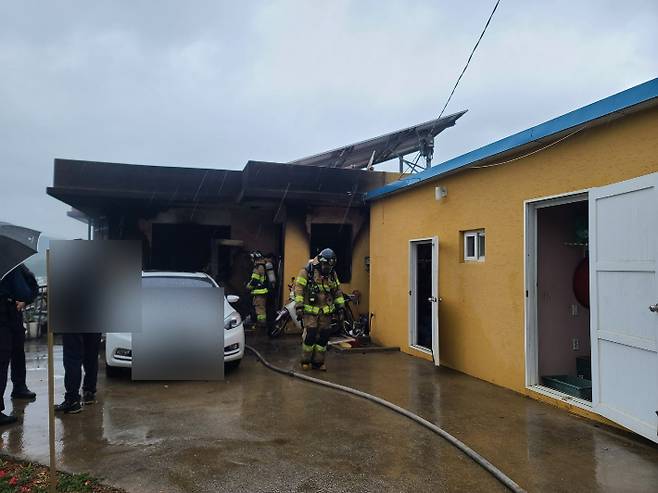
[(556, 262)]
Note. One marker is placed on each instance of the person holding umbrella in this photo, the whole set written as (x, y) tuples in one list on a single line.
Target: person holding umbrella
[(17, 244), (14, 293)]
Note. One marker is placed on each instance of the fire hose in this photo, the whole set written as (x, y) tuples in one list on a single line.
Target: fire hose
[(484, 463)]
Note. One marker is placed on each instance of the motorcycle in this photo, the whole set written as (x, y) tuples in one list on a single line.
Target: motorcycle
[(345, 326)]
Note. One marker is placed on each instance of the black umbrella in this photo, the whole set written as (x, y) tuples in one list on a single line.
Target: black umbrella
[(17, 244)]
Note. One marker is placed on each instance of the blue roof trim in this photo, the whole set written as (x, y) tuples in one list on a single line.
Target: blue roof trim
[(611, 104)]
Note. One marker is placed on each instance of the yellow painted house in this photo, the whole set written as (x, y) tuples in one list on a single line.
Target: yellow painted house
[(531, 262)]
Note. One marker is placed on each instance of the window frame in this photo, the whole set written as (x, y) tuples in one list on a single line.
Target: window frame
[(477, 235)]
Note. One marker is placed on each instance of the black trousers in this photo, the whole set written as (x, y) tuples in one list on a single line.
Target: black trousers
[(80, 351), (4, 370), (5, 355), (18, 354)]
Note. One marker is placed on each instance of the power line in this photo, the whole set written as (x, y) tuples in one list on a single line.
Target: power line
[(530, 153), (470, 57), (463, 70)]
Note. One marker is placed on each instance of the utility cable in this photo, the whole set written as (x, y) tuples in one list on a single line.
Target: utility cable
[(530, 153), (488, 466), (470, 57)]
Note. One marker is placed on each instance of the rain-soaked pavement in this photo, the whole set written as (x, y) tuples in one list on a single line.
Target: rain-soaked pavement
[(261, 431)]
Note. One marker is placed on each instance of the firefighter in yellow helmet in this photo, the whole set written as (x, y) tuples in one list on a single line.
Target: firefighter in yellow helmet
[(258, 286), (318, 298)]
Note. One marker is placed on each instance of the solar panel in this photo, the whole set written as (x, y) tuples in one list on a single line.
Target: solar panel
[(383, 148)]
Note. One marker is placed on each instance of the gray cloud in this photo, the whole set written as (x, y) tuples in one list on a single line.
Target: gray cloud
[(217, 83)]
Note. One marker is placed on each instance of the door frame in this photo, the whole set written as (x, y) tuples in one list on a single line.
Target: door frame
[(434, 350), (530, 208)]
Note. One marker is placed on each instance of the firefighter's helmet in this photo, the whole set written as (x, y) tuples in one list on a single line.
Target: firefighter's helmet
[(327, 261)]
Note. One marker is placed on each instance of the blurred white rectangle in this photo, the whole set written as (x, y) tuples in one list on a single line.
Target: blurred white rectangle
[(182, 335)]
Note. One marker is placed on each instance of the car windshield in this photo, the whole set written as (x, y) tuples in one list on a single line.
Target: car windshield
[(176, 282)]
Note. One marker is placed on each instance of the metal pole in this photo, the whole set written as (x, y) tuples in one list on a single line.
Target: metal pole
[(52, 487)]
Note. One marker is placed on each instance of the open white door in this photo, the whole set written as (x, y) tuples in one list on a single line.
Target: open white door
[(435, 300), (623, 239)]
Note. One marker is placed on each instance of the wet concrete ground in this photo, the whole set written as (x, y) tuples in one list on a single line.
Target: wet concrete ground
[(258, 431)]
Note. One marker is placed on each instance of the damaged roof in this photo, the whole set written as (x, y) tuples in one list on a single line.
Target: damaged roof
[(95, 187)]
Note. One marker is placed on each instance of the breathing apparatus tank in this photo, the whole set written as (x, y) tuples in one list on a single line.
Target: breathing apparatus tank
[(269, 270)]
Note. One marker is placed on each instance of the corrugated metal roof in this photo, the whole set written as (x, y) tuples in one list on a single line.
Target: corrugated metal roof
[(614, 106)]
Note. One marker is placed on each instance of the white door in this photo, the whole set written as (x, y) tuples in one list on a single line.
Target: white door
[(623, 231), (424, 296)]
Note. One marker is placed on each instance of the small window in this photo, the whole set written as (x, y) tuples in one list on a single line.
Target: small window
[(474, 246)]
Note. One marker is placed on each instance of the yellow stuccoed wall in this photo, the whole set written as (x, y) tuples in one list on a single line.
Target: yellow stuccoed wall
[(481, 321), (295, 250), (296, 255)]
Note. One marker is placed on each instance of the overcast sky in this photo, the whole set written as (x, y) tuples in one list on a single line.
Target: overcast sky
[(214, 84)]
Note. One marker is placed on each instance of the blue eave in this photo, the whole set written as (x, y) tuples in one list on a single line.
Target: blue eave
[(612, 104)]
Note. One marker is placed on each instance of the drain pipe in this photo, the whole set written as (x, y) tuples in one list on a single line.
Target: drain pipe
[(493, 470)]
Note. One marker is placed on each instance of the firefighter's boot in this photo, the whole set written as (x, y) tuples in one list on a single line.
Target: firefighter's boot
[(307, 356), (319, 353)]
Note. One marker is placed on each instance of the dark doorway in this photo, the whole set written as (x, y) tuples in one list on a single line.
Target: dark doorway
[(184, 247), (424, 294), (338, 237)]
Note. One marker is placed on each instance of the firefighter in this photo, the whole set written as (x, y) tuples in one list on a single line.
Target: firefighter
[(318, 298), (258, 285)]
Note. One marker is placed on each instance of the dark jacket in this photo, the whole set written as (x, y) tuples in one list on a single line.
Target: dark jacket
[(19, 285)]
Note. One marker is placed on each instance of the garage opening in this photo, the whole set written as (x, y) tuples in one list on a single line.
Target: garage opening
[(560, 299), (187, 247)]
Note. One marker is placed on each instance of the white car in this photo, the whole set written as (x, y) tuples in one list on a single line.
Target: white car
[(118, 346)]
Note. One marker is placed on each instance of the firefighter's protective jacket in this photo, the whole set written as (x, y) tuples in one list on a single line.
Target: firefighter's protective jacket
[(318, 294), (258, 282)]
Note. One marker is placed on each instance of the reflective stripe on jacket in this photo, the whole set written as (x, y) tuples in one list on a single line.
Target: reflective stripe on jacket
[(318, 295), (258, 281)]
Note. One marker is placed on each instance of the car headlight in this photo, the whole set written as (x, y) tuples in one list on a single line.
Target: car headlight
[(233, 321)]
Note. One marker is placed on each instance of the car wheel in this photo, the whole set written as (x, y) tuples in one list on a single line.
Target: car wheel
[(232, 365)]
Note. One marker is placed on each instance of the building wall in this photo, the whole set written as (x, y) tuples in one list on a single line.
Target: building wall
[(482, 313), (297, 249)]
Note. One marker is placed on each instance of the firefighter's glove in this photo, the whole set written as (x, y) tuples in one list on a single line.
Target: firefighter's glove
[(299, 312)]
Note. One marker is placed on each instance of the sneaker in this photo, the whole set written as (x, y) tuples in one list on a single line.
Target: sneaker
[(69, 407), (306, 366), (89, 398), (321, 367), (7, 420), (23, 393)]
